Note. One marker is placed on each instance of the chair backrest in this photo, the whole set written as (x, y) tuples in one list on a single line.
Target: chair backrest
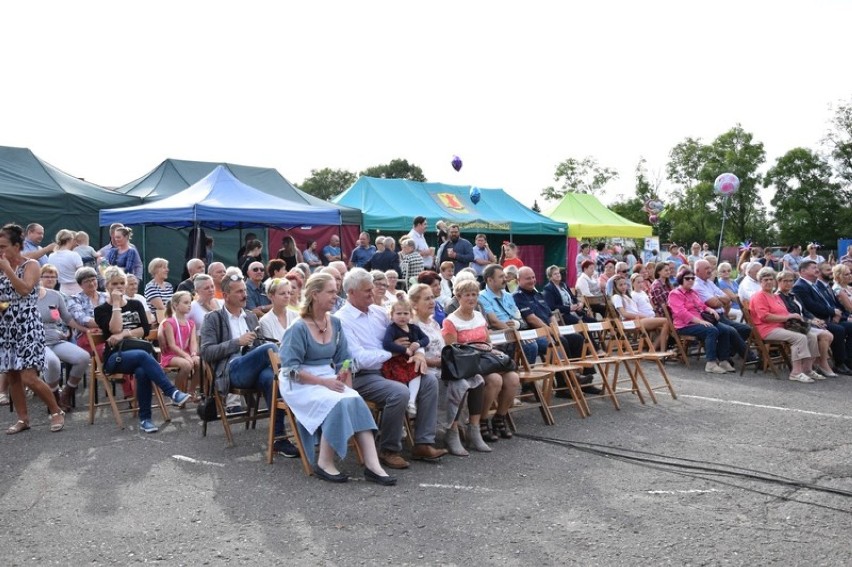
[(499, 338)]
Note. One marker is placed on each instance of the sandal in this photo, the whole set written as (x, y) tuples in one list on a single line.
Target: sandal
[(57, 421), (19, 426)]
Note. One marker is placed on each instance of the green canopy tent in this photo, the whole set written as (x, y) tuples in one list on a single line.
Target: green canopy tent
[(35, 191), (389, 206), (586, 217)]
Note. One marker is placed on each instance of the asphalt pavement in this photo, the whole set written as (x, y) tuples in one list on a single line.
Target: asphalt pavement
[(747, 470)]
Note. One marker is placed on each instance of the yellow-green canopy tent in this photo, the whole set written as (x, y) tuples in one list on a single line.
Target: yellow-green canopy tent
[(587, 217)]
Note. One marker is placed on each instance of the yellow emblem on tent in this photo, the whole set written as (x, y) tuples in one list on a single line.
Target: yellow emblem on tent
[(451, 201)]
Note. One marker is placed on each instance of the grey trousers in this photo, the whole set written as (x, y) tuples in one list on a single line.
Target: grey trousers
[(393, 396)]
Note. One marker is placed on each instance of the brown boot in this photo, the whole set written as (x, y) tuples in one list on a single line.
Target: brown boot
[(66, 397)]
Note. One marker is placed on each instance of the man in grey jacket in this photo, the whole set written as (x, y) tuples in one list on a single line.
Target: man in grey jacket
[(229, 344)]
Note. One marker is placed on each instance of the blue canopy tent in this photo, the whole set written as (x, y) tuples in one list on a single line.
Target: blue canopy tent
[(220, 201)]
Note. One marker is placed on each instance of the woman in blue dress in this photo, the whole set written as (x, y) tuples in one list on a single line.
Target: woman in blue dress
[(316, 382)]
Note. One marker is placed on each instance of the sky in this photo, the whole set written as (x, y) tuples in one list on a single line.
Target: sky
[(107, 90)]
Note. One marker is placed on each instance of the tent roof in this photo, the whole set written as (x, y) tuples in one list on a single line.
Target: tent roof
[(390, 205), (221, 201), (35, 191), (587, 217), (175, 175)]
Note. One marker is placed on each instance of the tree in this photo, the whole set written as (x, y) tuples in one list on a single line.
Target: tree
[(839, 141), (396, 169), (579, 176), (809, 206), (535, 207), (696, 214), (736, 152), (327, 183)]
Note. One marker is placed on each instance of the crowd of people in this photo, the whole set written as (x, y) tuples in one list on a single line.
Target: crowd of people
[(373, 328)]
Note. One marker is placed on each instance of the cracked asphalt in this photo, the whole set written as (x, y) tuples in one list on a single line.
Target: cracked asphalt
[(94, 494)]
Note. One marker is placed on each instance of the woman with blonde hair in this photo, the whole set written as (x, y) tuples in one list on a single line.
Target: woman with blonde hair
[(842, 291), (316, 382), (158, 291), (66, 261), (467, 325), (123, 254), (277, 320)]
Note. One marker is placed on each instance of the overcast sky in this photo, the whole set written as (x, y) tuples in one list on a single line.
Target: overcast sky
[(107, 90)]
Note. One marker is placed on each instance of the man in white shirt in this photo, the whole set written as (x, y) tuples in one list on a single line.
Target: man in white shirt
[(416, 234), (715, 298), (364, 325)]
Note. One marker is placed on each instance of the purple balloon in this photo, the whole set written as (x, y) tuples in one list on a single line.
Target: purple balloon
[(475, 195), (654, 219), (456, 163)]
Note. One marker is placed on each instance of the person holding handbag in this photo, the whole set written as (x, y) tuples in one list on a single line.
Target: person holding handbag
[(120, 319), (467, 325), (692, 317)]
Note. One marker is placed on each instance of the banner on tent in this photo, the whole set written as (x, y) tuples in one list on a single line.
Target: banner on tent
[(486, 225)]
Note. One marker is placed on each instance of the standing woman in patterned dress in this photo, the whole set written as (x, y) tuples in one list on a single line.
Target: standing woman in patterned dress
[(21, 330)]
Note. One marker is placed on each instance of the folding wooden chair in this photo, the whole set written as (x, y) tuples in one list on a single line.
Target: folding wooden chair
[(108, 381), (595, 304), (559, 368), (682, 342), (621, 354), (281, 405), (635, 340), (589, 358), (252, 398), (769, 352), (533, 376)]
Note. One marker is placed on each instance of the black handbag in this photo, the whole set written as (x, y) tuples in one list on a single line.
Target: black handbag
[(707, 316), (797, 326), (495, 361), (459, 361), (206, 409), (132, 344)]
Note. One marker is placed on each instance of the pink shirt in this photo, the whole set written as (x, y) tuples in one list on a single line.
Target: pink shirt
[(685, 306), (763, 304)]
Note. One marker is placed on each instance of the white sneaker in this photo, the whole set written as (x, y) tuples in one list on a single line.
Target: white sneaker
[(411, 410), (815, 375), (727, 366), (801, 378), (714, 368)]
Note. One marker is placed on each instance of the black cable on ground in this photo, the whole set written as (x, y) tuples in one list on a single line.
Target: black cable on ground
[(695, 468)]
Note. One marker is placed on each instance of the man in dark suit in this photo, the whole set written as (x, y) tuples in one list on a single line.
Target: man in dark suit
[(818, 298)]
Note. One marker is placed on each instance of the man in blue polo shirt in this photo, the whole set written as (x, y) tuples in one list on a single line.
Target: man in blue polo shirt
[(362, 253), (537, 314), (500, 309)]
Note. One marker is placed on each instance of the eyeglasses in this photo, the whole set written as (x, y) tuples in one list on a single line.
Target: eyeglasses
[(88, 280), (690, 278), (257, 269), (623, 271), (764, 278)]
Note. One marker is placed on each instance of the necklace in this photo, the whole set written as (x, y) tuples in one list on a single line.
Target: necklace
[(321, 330)]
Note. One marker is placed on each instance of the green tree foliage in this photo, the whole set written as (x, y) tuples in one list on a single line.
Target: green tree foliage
[(327, 183), (809, 206), (579, 176), (839, 141), (396, 169), (696, 213)]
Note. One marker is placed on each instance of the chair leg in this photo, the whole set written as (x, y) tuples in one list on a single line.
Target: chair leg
[(220, 407)]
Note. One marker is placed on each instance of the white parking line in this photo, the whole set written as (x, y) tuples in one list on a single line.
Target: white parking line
[(794, 410), (457, 487), (693, 491), (196, 461)]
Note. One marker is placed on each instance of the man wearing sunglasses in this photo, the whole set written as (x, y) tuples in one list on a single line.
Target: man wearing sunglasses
[(256, 298)]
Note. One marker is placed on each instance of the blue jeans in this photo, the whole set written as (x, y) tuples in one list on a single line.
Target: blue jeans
[(717, 340), (146, 369), (253, 370), (739, 338)]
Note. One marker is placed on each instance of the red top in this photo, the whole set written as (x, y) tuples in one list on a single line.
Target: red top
[(513, 262), (763, 304)]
